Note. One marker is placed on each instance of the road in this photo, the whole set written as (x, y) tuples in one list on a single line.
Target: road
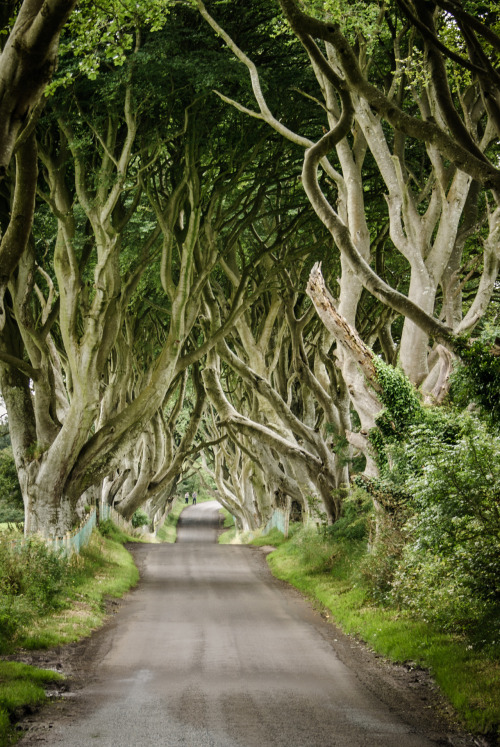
[(210, 650)]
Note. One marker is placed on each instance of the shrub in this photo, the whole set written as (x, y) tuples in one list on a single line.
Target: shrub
[(31, 578), (11, 500), (355, 518), (449, 568), (15, 611), (140, 519), (109, 530), (477, 378)]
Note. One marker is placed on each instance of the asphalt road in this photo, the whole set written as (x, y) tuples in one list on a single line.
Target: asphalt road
[(210, 650)]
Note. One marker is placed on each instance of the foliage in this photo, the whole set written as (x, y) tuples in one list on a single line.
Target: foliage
[(354, 521), (109, 530), (438, 549), (37, 584), (104, 34), (4, 435), (450, 567), (402, 408), (400, 400), (477, 378), (103, 569), (140, 519), (228, 518), (357, 20), (11, 500), (274, 538), (31, 580)]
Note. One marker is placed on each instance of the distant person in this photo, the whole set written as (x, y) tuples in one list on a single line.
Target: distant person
[(186, 498), (194, 497)]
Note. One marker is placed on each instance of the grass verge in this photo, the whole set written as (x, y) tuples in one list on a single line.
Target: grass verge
[(21, 686), (168, 532), (103, 569), (228, 536), (332, 574)]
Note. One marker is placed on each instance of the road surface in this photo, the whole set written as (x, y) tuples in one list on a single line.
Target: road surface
[(211, 651)]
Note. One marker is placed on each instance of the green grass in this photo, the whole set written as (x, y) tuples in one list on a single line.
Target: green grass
[(233, 537), (228, 518), (274, 538), (20, 686), (168, 532), (228, 536), (10, 526), (330, 573), (105, 569), (114, 532)]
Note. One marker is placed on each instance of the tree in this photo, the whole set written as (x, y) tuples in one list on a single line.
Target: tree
[(432, 214), (27, 63), (142, 210)]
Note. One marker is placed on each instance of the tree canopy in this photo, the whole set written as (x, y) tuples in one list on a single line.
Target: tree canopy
[(212, 242)]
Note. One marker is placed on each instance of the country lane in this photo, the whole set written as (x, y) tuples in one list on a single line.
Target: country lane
[(211, 650)]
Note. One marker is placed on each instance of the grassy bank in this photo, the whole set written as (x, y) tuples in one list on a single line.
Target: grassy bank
[(46, 601), (335, 573), (229, 534), (21, 686), (104, 569)]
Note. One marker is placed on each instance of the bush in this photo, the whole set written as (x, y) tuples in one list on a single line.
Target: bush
[(449, 567), (437, 549), (355, 519), (477, 378), (11, 500), (15, 612), (140, 519), (109, 530), (31, 578)]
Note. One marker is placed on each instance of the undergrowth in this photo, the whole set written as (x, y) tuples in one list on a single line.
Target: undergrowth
[(47, 600)]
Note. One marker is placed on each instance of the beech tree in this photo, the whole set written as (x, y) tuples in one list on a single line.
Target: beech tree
[(389, 105), (166, 300), (278, 407), (127, 194), (27, 63)]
